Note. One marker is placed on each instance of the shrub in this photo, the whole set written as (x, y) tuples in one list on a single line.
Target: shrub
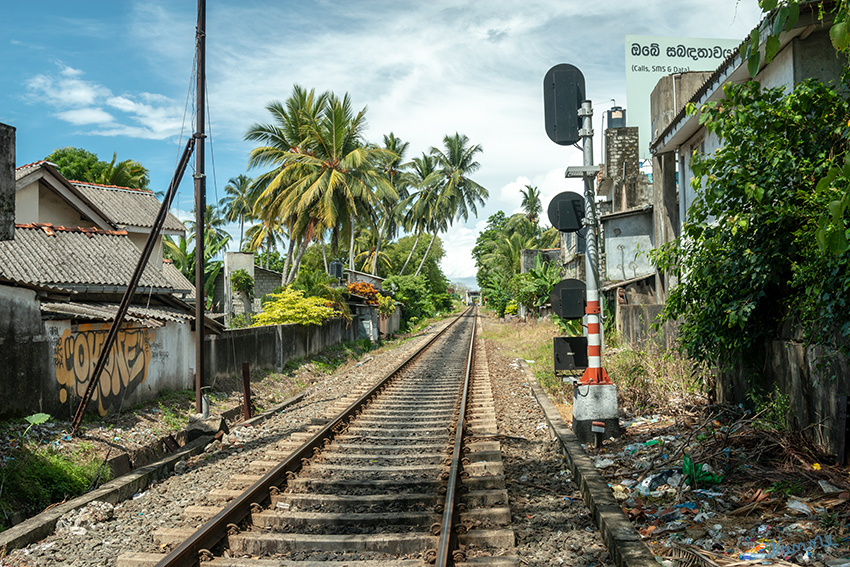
[(414, 293), (242, 281), (290, 306)]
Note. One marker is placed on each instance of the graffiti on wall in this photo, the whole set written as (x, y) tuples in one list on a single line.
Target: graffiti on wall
[(127, 366)]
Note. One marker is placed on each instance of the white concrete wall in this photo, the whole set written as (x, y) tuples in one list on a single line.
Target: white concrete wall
[(26, 204)]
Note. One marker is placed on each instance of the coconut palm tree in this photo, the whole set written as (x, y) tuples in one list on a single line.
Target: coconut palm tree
[(266, 235), (531, 203), (388, 208), (424, 176), (455, 194), (238, 202), (127, 173), (457, 161), (214, 224), (328, 173)]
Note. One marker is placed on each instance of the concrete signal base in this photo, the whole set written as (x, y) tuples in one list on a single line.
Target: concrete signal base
[(595, 402)]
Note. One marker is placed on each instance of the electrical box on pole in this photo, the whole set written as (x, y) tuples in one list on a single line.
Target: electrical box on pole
[(570, 353), (563, 93)]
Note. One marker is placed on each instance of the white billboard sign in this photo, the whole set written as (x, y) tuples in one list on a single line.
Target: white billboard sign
[(648, 58)]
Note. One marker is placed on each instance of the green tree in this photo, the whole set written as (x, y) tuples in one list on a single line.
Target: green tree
[(77, 164), (214, 224), (127, 173), (748, 255), (415, 295), (322, 168), (455, 195), (417, 207), (531, 203), (389, 210)]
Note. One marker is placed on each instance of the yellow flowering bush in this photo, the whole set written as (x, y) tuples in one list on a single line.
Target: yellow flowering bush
[(386, 305), (290, 306)]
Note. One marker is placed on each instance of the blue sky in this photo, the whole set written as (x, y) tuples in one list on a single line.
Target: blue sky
[(113, 76)]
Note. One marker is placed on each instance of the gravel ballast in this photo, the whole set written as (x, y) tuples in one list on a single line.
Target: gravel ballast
[(551, 522)]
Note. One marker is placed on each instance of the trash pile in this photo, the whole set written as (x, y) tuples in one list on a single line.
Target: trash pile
[(728, 493)]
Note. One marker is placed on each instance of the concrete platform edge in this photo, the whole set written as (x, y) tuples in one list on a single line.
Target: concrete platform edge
[(625, 545)]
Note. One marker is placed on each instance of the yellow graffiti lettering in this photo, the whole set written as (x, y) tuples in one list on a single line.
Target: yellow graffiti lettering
[(126, 366)]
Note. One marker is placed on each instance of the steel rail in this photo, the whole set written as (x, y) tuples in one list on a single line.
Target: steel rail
[(448, 537), (211, 533)]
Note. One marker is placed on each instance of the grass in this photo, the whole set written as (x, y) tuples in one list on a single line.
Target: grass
[(647, 379), (33, 477), (533, 342)]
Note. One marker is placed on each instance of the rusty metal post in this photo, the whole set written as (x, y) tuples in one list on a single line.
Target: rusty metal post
[(246, 390)]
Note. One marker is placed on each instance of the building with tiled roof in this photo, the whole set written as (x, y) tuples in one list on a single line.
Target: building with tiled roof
[(130, 209), (76, 260)]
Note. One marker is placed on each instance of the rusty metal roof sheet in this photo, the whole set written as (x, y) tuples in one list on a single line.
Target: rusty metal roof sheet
[(75, 259), (149, 316), (127, 208)]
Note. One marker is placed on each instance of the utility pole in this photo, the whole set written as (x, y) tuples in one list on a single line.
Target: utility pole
[(200, 204)]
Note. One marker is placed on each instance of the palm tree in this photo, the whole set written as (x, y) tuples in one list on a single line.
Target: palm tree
[(264, 235), (322, 168), (456, 194), (127, 173), (388, 208), (531, 203), (238, 202), (457, 162), (214, 224), (417, 206)]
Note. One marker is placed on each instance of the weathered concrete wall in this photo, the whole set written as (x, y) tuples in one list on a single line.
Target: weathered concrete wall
[(26, 379), (270, 347), (7, 182), (636, 323), (670, 95), (46, 366), (812, 378), (143, 363)]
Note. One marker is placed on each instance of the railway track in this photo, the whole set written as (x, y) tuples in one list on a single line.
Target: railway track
[(394, 478)]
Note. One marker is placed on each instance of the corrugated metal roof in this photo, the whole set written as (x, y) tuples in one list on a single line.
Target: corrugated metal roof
[(149, 316), (127, 207), (74, 258)]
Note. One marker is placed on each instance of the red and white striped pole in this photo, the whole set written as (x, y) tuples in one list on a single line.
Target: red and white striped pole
[(595, 373)]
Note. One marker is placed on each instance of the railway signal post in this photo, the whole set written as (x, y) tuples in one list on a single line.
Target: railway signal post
[(569, 119)]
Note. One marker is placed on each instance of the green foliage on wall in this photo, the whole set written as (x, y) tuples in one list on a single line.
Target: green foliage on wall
[(748, 255)]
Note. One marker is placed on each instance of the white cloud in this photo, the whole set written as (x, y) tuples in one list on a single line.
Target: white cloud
[(458, 243), (65, 91), (84, 116), (146, 115)]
